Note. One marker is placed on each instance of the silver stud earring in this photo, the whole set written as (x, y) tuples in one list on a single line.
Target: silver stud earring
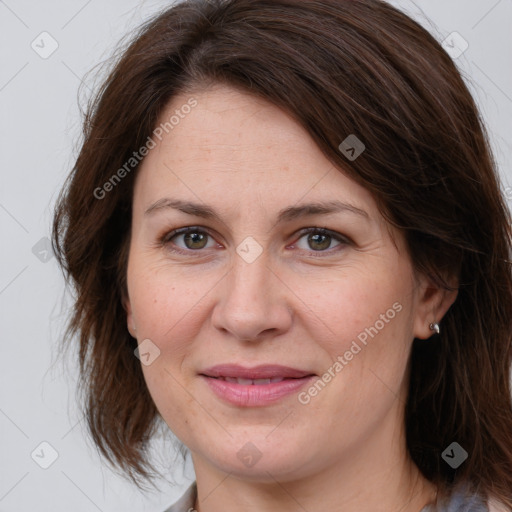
[(435, 327)]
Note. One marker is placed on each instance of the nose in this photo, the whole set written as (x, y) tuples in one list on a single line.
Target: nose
[(253, 302)]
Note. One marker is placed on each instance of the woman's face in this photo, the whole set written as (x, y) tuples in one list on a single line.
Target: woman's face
[(327, 316)]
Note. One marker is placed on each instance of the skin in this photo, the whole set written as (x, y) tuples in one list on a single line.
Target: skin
[(301, 303)]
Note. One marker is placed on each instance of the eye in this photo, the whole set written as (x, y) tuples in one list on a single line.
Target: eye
[(188, 239), (192, 238), (320, 240)]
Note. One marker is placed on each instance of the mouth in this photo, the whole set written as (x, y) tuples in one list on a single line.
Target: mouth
[(256, 386), (256, 373), (250, 382)]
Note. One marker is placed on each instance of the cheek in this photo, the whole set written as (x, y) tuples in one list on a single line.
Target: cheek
[(367, 329), (368, 341), (361, 305), (167, 301), (166, 312), (177, 406)]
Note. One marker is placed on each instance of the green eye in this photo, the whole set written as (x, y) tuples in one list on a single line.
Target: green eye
[(195, 240), (188, 239), (314, 240), (320, 240)]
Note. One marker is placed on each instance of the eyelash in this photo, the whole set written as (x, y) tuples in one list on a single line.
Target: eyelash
[(165, 240)]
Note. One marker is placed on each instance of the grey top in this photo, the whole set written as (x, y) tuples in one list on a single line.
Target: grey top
[(186, 502), (459, 501)]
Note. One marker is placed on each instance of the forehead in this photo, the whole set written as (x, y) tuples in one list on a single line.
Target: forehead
[(237, 146)]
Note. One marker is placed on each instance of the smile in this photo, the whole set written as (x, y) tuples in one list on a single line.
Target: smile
[(254, 387)]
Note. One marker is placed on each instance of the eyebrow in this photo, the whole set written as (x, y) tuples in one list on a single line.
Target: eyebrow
[(286, 215)]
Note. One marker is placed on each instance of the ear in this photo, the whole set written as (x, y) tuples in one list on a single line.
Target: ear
[(130, 323), (433, 301)]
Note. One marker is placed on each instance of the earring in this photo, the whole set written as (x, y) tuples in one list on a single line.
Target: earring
[(435, 327)]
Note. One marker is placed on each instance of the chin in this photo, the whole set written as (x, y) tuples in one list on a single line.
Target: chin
[(254, 458)]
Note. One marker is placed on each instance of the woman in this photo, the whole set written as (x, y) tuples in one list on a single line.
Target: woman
[(289, 212)]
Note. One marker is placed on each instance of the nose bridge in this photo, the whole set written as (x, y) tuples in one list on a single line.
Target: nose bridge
[(248, 281), (251, 301), (249, 272)]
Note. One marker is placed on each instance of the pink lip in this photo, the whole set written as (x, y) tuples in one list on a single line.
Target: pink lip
[(256, 372), (254, 395)]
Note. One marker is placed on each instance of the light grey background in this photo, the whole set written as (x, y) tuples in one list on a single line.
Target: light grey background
[(39, 129)]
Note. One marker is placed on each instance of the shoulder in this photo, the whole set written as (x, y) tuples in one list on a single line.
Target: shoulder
[(459, 500), (186, 502), (462, 500)]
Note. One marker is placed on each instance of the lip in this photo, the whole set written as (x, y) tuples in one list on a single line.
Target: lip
[(275, 383), (266, 371)]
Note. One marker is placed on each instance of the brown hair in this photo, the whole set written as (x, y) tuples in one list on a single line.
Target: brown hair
[(339, 67)]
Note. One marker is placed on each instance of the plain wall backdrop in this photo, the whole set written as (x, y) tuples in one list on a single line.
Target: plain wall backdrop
[(46, 50)]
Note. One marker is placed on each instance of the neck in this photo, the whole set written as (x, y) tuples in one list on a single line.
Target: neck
[(376, 475)]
